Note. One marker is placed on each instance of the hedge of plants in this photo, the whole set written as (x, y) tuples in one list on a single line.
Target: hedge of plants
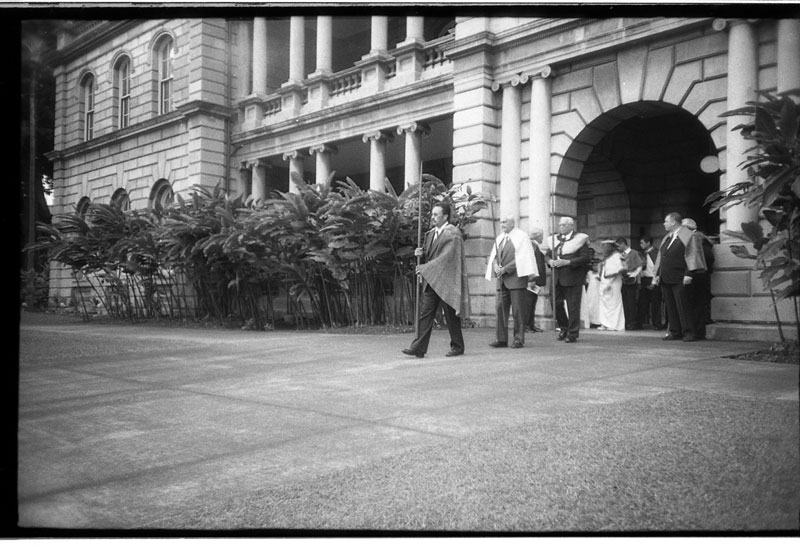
[(327, 255)]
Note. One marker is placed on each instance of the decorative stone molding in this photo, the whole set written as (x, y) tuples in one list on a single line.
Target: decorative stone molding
[(258, 162), (377, 136), (414, 127), (295, 155), (544, 72), (322, 149), (513, 81)]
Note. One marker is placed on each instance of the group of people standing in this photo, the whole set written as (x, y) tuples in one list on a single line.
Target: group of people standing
[(626, 288), (619, 292)]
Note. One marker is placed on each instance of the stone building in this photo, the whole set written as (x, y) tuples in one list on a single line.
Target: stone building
[(613, 121)]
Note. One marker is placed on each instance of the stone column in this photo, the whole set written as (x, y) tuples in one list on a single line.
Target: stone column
[(260, 55), (259, 177), (415, 28), (788, 54), (410, 53), (296, 168), (297, 49), (539, 185), (324, 43), (245, 180), (379, 34), (377, 159), (319, 81), (742, 83), (322, 154), (413, 156), (510, 145)]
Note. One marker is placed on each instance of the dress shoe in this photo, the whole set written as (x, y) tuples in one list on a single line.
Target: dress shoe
[(498, 344), (410, 352), (571, 339), (562, 335), (534, 329), (517, 344), (454, 353), (670, 337), (690, 339)]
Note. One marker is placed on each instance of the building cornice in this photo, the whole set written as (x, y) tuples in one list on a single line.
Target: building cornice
[(180, 114), (87, 42)]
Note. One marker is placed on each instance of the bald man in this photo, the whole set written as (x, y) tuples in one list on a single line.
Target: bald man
[(569, 256)]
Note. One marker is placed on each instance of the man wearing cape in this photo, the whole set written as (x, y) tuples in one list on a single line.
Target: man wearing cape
[(444, 273), (680, 259), (511, 262)]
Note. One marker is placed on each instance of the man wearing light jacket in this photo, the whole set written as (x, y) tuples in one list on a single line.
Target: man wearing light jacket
[(511, 263)]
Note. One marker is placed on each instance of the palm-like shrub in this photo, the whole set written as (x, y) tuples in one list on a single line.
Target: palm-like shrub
[(773, 186), (339, 255)]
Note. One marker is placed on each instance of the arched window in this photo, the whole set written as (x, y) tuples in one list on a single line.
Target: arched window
[(161, 195), (122, 91), (82, 207), (120, 199), (87, 106), (164, 57)]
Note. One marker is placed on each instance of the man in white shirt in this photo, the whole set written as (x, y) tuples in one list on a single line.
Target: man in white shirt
[(649, 293), (630, 282)]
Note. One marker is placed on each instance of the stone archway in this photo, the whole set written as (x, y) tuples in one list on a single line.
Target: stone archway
[(630, 166)]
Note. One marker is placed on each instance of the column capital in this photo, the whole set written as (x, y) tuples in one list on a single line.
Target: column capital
[(258, 162), (295, 155), (720, 24), (414, 127), (379, 135), (322, 149), (512, 81), (541, 72)]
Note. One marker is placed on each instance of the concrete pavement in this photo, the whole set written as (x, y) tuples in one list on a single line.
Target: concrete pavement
[(138, 426)]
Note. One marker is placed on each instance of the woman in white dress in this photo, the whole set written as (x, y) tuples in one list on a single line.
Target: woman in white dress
[(612, 317), (590, 306)]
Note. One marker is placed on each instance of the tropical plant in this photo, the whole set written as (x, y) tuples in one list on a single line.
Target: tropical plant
[(338, 254), (773, 186)]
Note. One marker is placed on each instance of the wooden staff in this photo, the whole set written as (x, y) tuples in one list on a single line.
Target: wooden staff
[(553, 253), (494, 230), (496, 249), (419, 259)]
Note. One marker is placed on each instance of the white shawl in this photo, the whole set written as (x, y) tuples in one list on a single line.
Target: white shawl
[(523, 254)]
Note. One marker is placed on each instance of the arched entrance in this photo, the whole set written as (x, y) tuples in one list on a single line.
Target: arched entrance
[(636, 163)]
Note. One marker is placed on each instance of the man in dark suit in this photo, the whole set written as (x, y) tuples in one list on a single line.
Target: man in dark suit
[(700, 294), (538, 282), (680, 258), (444, 272), (568, 255), (650, 294), (631, 275), (511, 262)]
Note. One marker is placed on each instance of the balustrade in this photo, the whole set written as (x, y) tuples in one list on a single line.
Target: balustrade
[(346, 82)]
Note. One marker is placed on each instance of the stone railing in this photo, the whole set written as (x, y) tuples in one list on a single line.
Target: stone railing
[(272, 106), (345, 82), (434, 53)]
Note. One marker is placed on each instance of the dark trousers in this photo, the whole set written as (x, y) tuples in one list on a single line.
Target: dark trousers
[(515, 300), (656, 319), (679, 310), (700, 299), (532, 299), (643, 304), (428, 308), (629, 305), (571, 318)]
